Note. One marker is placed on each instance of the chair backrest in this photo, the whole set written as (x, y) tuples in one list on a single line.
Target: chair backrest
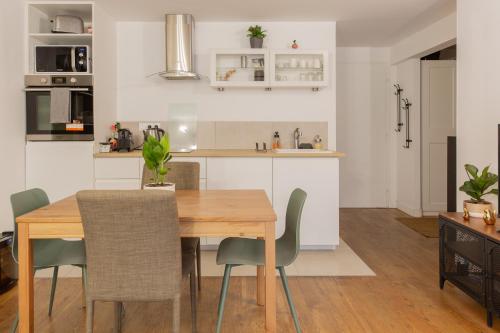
[(185, 175), (25, 202), (288, 245), (132, 244)]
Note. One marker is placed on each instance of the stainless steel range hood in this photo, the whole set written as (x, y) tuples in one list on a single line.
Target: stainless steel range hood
[(179, 31)]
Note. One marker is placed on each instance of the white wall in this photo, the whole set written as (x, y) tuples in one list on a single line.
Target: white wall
[(478, 84), (435, 37), (104, 67), (12, 124), (362, 126), (141, 50), (408, 160)]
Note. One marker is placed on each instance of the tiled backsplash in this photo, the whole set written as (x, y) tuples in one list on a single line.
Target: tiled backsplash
[(243, 135)]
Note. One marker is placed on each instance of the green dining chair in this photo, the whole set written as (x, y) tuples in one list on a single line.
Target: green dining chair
[(47, 253), (236, 251)]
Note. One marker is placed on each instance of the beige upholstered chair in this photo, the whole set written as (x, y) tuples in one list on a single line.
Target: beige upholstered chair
[(186, 176), (133, 250)]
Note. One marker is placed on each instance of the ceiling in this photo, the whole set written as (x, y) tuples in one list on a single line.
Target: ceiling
[(359, 22)]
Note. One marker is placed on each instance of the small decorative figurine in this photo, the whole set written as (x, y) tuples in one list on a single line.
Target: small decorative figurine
[(489, 217), (295, 45), (466, 214)]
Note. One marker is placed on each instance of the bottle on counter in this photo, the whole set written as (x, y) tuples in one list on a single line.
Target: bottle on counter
[(276, 140), (317, 142)]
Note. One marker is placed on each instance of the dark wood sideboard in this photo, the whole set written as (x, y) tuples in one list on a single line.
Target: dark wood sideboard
[(469, 257)]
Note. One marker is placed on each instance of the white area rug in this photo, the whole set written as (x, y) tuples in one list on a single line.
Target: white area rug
[(342, 261)]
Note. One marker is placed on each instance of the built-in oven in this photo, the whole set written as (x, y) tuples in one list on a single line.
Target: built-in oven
[(62, 59), (59, 108)]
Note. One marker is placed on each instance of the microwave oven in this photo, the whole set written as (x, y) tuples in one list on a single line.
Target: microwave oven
[(62, 59)]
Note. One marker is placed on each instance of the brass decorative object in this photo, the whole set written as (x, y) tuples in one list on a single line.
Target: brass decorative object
[(489, 217), (466, 214)]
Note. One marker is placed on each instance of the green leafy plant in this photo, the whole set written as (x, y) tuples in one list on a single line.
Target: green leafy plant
[(156, 154), (256, 32), (478, 184)]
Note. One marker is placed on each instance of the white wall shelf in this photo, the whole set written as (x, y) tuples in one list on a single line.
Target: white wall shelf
[(299, 68), (229, 69), (282, 68), (39, 27), (61, 39)]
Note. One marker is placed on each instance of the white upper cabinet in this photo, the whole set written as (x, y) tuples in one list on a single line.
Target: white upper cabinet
[(239, 68), (299, 68), (269, 68)]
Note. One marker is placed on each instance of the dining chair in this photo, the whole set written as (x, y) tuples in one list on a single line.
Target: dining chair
[(236, 251), (133, 251), (47, 253), (185, 176)]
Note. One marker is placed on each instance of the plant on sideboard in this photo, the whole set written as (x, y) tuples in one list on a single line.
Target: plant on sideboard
[(256, 35), (476, 187), (156, 154)]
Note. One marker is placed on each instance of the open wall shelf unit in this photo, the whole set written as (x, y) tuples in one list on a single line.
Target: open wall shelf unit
[(39, 28), (269, 68)]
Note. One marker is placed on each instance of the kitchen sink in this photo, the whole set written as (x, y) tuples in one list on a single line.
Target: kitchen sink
[(300, 151)]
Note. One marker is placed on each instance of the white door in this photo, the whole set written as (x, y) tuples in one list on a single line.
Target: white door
[(438, 122)]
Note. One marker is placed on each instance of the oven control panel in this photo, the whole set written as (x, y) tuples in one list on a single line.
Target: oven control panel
[(58, 80)]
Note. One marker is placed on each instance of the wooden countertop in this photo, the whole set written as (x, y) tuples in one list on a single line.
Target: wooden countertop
[(225, 153), (475, 224)]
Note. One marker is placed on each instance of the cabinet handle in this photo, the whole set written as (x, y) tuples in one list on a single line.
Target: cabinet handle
[(407, 109)]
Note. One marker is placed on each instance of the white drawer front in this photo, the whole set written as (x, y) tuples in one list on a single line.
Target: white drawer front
[(117, 168), (201, 160)]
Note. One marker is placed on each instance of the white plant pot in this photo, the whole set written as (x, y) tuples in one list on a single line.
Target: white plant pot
[(477, 209), (164, 187)]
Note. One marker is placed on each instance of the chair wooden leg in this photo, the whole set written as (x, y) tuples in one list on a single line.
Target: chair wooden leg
[(176, 314), (53, 288), (15, 324), (118, 317), (198, 264), (284, 280), (223, 294), (192, 279), (90, 316)]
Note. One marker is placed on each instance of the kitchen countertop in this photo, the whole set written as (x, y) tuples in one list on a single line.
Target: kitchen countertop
[(225, 153)]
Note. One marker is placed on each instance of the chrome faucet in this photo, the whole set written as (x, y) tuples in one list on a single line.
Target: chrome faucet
[(296, 137)]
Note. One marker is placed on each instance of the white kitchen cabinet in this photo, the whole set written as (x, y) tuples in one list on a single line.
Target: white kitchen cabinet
[(238, 67), (118, 184), (299, 68), (231, 173), (117, 168), (59, 168), (320, 217)]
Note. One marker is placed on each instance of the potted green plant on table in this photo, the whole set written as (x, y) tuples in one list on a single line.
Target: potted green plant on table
[(256, 35), (478, 185), (156, 154)]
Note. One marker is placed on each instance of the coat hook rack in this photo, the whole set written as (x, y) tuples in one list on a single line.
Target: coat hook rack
[(398, 109), (406, 106)]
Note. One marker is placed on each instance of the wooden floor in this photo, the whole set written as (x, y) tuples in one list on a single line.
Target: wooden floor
[(403, 297)]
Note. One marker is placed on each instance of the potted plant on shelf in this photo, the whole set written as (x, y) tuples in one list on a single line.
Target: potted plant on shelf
[(256, 35), (477, 187), (156, 154)]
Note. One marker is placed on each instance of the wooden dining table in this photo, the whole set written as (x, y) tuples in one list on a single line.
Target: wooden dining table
[(209, 213)]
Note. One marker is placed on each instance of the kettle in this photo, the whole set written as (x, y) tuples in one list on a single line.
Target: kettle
[(156, 132)]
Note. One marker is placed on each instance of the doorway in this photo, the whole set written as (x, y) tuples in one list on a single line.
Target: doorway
[(438, 107)]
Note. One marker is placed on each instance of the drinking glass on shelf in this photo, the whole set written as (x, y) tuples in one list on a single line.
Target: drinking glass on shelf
[(317, 63), (302, 76)]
